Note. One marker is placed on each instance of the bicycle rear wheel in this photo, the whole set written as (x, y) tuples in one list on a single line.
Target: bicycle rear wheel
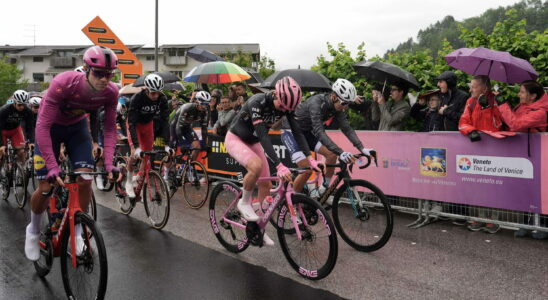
[(156, 200), (362, 215), (19, 185), (88, 280), (195, 184), (313, 256), (222, 207)]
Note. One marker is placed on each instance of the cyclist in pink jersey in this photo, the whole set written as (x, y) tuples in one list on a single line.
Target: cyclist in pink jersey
[(63, 118)]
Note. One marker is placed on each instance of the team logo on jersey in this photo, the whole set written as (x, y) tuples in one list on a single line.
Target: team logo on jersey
[(39, 162)]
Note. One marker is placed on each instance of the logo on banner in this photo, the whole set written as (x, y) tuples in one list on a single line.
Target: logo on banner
[(218, 147), (464, 164), (517, 167), (433, 162), (400, 164)]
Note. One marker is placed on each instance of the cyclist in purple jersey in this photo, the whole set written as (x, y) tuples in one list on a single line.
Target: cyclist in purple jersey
[(63, 118)]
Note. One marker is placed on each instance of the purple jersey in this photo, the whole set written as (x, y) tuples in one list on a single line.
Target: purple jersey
[(68, 99)]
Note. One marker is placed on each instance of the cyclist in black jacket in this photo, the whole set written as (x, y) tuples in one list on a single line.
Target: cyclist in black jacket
[(247, 140), (142, 109), (11, 118), (312, 116)]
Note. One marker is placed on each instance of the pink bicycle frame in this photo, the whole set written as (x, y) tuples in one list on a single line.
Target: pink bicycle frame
[(281, 193)]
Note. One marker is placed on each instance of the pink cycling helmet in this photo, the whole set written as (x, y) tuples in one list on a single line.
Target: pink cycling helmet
[(289, 92), (100, 57)]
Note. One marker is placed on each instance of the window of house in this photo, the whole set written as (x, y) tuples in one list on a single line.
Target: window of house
[(38, 77), (13, 61), (149, 57), (37, 59), (176, 52)]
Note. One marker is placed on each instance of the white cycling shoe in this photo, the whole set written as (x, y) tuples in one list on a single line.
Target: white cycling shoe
[(267, 240), (247, 211), (129, 188), (32, 246)]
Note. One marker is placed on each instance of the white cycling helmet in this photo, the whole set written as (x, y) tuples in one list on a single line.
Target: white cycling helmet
[(35, 101), (344, 89), (20, 97), (80, 69), (203, 96), (154, 82)]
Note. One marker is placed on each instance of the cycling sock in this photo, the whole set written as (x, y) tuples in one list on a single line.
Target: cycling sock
[(35, 220), (246, 197)]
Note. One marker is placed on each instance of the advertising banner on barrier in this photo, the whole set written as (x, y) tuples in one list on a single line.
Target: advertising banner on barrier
[(440, 166), (446, 166), (222, 164)]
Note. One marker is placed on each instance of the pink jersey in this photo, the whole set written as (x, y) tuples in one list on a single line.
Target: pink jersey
[(68, 99)]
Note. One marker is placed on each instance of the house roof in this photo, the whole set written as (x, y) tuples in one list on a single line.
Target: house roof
[(45, 50)]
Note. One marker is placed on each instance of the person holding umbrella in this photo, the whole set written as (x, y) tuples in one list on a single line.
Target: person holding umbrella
[(247, 141), (393, 113), (142, 110)]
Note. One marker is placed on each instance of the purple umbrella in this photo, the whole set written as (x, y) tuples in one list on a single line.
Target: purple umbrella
[(497, 65)]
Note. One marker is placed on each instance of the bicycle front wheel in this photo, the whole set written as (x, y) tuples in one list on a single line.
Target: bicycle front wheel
[(169, 173), (156, 200), (88, 279), (5, 182), (362, 215), (19, 185), (225, 219), (126, 207), (32, 182), (195, 184), (315, 254), (92, 207)]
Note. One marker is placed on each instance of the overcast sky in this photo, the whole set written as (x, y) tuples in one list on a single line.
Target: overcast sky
[(291, 32)]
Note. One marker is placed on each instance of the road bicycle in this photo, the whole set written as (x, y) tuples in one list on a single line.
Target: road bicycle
[(84, 268), (13, 175), (154, 196), (361, 212), (190, 175), (305, 231)]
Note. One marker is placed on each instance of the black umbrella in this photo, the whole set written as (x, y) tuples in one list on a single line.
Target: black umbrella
[(386, 72), (174, 86), (202, 55), (255, 76), (168, 77), (307, 79)]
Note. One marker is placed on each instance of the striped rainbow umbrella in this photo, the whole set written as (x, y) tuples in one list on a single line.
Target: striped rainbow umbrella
[(217, 72)]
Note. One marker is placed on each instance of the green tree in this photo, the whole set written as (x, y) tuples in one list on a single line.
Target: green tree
[(10, 80)]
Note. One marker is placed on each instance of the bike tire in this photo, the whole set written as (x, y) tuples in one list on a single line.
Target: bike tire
[(195, 192), (319, 232), (126, 207), (233, 239), (171, 183), (5, 183), (92, 208), (92, 258), (355, 226), (157, 204), (19, 185)]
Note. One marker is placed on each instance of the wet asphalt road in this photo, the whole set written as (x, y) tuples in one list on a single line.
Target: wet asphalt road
[(185, 260), (144, 264)]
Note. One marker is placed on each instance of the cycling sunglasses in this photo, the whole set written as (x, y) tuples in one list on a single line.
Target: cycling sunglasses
[(102, 73), (343, 103)]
